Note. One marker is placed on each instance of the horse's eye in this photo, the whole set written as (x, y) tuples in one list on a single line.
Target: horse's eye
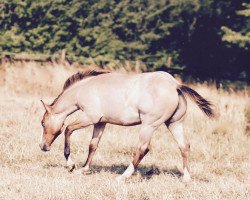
[(43, 124)]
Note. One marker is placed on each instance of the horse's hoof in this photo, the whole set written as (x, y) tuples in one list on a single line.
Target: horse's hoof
[(120, 179), (186, 178), (70, 168), (86, 172)]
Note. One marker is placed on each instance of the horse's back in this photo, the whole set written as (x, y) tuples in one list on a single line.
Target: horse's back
[(129, 81), (133, 88)]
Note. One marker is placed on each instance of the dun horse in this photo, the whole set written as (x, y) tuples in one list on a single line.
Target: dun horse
[(149, 99)]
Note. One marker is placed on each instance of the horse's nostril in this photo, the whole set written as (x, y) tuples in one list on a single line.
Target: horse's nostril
[(44, 147), (47, 148)]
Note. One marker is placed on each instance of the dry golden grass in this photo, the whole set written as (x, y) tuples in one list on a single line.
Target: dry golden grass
[(219, 159)]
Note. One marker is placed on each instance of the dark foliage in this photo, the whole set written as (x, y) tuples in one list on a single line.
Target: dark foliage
[(190, 32)]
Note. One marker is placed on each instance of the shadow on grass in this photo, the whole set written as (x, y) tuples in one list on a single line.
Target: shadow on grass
[(145, 172)]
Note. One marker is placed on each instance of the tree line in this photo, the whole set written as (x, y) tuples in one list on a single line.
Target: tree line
[(208, 39)]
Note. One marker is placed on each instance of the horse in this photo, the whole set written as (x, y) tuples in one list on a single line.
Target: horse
[(149, 99)]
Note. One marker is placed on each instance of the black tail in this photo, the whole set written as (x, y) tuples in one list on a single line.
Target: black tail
[(203, 104)]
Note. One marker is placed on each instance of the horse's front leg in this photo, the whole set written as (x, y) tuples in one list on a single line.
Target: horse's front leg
[(97, 134), (69, 130), (69, 163)]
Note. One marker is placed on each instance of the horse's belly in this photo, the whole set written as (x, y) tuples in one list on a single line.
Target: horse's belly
[(127, 118)]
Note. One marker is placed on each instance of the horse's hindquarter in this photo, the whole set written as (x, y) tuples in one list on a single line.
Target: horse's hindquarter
[(120, 98), (158, 99)]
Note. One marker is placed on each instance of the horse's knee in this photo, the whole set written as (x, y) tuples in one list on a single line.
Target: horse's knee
[(93, 144), (144, 149), (143, 152), (185, 150), (67, 131)]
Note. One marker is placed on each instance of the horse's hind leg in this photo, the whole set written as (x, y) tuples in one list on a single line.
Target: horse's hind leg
[(176, 128), (143, 148), (97, 134), (175, 125)]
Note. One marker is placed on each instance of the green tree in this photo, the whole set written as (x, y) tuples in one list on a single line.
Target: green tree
[(111, 31), (205, 54), (241, 37)]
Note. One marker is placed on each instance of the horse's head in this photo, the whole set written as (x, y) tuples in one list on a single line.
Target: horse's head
[(52, 127)]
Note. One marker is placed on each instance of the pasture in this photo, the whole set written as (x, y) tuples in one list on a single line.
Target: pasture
[(219, 156)]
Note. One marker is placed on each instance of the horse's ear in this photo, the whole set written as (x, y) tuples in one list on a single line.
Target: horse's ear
[(47, 107)]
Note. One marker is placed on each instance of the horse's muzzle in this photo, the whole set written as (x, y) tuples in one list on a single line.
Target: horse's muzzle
[(44, 147)]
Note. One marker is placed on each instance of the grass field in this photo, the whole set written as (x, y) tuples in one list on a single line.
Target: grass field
[(219, 158)]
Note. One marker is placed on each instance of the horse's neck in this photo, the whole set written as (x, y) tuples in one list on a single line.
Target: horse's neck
[(66, 103)]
